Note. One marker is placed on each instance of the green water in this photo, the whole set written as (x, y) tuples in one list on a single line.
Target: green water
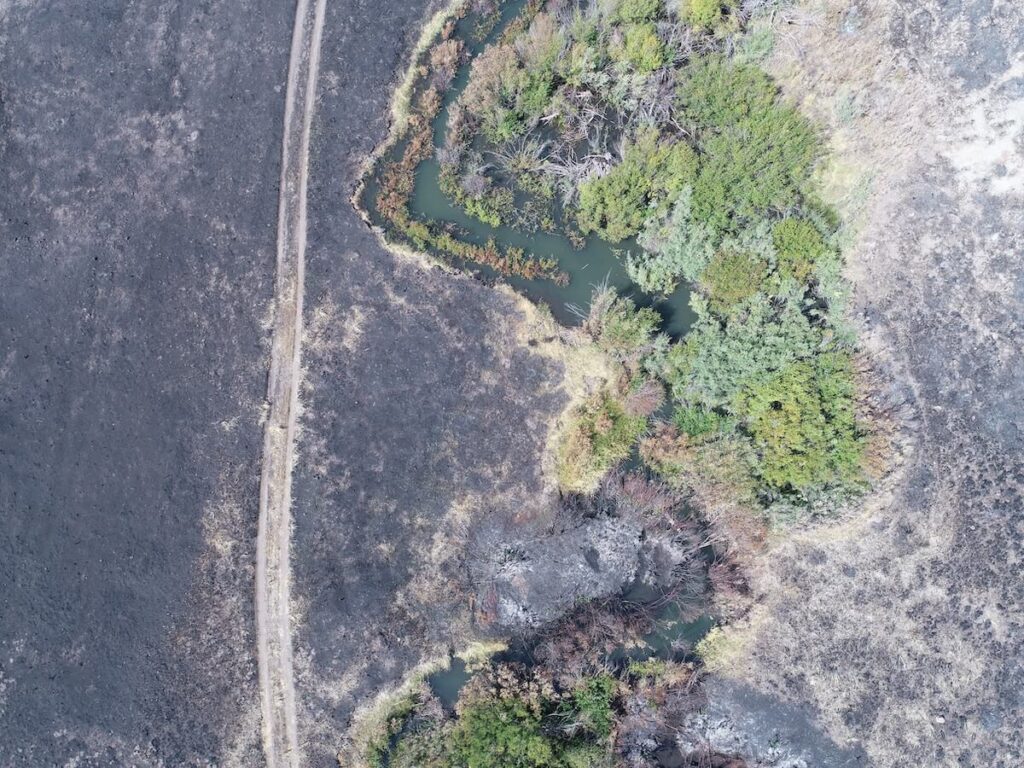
[(673, 636), (596, 263), (672, 639), (446, 684), (587, 267)]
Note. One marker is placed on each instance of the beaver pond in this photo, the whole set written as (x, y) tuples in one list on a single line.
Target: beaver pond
[(585, 264)]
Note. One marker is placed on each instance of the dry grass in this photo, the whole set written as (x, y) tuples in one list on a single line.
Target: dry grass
[(370, 721), (869, 106), (402, 100), (720, 649), (401, 109), (586, 371)]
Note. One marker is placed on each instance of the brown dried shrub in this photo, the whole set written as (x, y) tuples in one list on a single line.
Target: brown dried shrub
[(645, 399)]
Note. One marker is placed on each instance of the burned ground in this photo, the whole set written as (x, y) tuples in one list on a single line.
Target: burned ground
[(139, 156)]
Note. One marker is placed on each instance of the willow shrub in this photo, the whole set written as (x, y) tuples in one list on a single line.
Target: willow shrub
[(731, 277), (757, 151), (649, 178), (799, 247), (801, 421)]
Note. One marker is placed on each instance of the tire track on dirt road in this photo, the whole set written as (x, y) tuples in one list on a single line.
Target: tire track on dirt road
[(273, 573)]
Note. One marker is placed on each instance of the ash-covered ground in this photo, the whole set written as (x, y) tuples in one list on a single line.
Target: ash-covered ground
[(139, 158)]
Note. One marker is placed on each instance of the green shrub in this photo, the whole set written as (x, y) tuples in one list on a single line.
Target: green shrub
[(672, 166), (592, 704), (641, 48), (758, 151), (627, 331), (614, 205), (584, 60), (753, 168), (704, 14), (636, 11), (731, 277), (698, 422), (798, 247), (585, 756), (613, 432), (506, 95), (653, 667), (516, 728), (505, 733), (424, 749), (534, 93), (651, 175), (394, 722), (717, 360), (756, 45), (600, 435), (754, 239), (676, 247), (801, 420), (718, 94)]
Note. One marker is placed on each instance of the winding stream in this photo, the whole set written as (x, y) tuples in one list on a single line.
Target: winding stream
[(598, 262)]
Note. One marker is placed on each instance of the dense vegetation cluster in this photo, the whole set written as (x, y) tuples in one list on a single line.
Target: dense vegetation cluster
[(635, 121), (569, 708), (508, 717), (630, 120), (757, 385)]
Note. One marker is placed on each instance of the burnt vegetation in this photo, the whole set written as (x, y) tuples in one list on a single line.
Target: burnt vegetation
[(586, 690)]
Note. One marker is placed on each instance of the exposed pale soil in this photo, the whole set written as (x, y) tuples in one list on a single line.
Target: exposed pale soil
[(281, 746)]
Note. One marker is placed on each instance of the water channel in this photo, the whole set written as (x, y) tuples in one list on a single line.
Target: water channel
[(598, 262)]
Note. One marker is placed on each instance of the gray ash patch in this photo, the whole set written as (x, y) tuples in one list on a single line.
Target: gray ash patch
[(967, 42), (138, 260)]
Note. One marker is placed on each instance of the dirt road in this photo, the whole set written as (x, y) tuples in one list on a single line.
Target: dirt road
[(273, 621)]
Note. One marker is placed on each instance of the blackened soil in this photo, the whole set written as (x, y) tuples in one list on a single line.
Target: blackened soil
[(139, 157), (422, 413)]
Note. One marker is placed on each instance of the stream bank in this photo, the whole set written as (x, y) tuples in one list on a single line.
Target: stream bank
[(592, 263)]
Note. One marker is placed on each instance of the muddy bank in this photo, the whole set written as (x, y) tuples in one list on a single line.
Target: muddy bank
[(139, 151)]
